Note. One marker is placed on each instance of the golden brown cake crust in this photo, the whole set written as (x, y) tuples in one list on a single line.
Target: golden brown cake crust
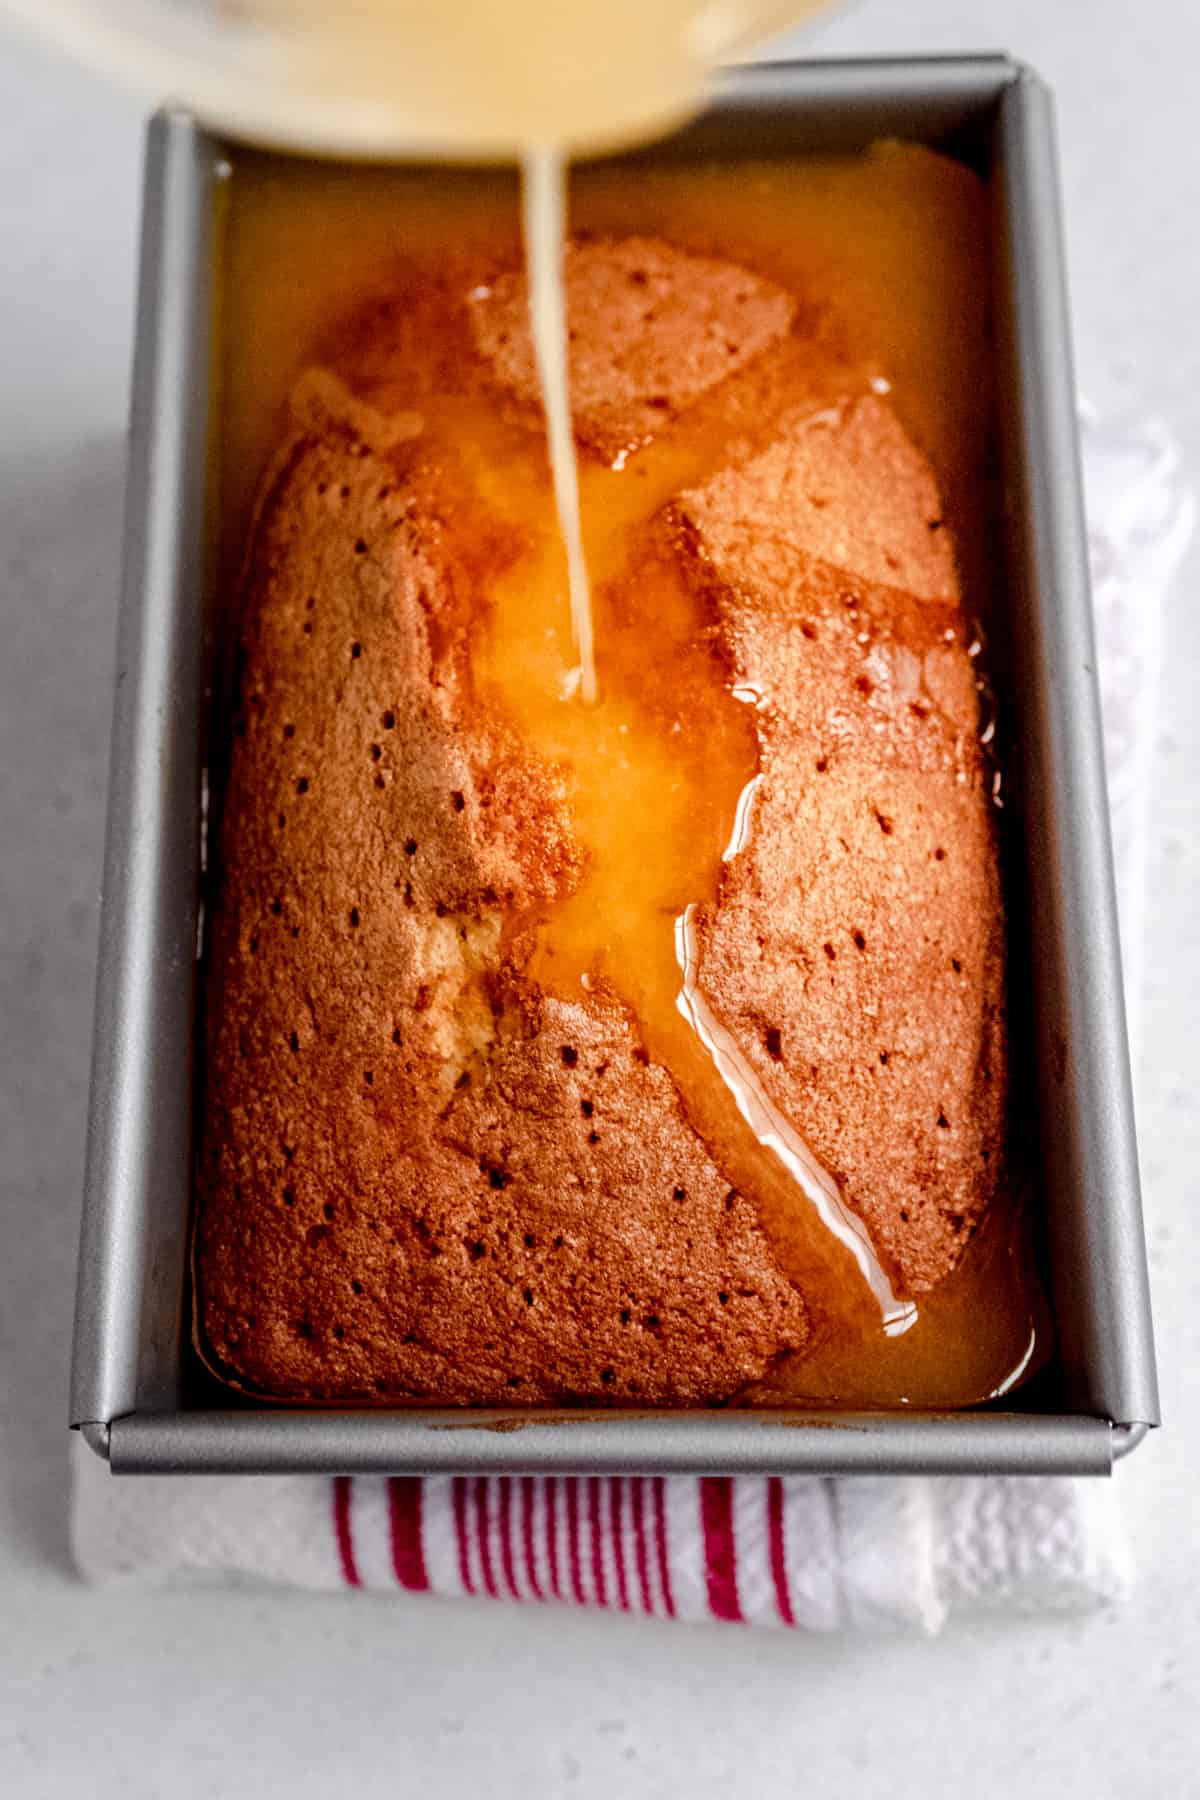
[(842, 484), (855, 948), (419, 1179), (652, 328)]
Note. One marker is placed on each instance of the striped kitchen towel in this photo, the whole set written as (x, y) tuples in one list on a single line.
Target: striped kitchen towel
[(805, 1552)]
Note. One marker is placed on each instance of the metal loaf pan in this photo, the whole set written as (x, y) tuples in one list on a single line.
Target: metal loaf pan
[(134, 1390)]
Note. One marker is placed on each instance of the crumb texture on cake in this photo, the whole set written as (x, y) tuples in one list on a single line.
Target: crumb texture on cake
[(651, 329), (422, 1179)]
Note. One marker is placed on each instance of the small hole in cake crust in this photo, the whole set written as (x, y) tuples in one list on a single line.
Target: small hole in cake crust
[(355, 918), (355, 650), (593, 1137), (808, 629), (339, 1332), (943, 1121), (289, 731), (865, 686), (380, 782), (773, 1039), (939, 854), (652, 1322), (830, 952), (731, 1199), (529, 1296), (822, 764), (376, 752), (860, 942), (530, 1240), (885, 824), (883, 1056), (607, 1376), (917, 710), (369, 1077), (587, 1108), (277, 906), (478, 1251), (410, 848), (360, 547), (904, 1215), (680, 1193), (389, 721), (956, 965), (457, 800), (499, 1178), (723, 1298), (397, 1039), (289, 1196), (356, 1287), (302, 785), (293, 1041), (570, 1056)]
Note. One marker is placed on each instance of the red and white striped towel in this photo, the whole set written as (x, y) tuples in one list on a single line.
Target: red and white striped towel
[(714, 1548), (805, 1552), (809, 1553)]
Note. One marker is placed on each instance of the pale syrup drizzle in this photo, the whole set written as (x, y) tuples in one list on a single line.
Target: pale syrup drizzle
[(543, 210), (543, 218), (775, 1133)]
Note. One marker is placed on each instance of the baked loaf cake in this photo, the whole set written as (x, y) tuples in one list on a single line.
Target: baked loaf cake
[(422, 1178)]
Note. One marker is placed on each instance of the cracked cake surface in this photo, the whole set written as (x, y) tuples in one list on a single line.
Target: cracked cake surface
[(424, 1175)]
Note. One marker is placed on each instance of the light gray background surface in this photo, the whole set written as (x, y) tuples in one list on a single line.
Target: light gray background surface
[(239, 1693)]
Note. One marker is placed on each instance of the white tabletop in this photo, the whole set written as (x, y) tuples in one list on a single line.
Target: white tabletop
[(234, 1693)]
